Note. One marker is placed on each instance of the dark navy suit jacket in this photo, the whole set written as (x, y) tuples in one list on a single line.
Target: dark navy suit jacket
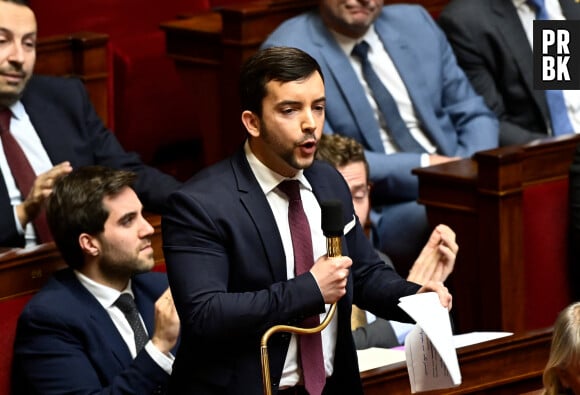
[(227, 272), (70, 129), (66, 342)]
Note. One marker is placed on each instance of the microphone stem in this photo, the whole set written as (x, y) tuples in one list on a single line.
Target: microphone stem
[(333, 247)]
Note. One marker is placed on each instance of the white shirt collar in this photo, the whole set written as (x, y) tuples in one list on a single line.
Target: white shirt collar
[(105, 295), (18, 110), (348, 43), (268, 178)]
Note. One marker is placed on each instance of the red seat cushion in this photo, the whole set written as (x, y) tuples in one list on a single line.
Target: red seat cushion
[(9, 311), (545, 222)]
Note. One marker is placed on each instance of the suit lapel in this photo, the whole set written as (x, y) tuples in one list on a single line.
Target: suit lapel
[(46, 123), (102, 324), (254, 201), (341, 71), (507, 22), (405, 62)]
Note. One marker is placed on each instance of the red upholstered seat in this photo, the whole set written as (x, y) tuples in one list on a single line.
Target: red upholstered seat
[(546, 217), (159, 267), (10, 310)]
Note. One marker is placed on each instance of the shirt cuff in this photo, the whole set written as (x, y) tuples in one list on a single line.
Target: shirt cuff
[(17, 221), (165, 361), (425, 161)]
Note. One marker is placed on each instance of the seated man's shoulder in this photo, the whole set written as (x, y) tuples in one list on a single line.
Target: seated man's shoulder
[(465, 8), (50, 88), (403, 9), (55, 296), (292, 31), (406, 18), (52, 82)]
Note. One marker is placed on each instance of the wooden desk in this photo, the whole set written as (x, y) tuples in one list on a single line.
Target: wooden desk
[(510, 365), (497, 275)]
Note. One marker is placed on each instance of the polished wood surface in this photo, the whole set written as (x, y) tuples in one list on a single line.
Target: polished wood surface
[(510, 365), (209, 49), (82, 55), (483, 200)]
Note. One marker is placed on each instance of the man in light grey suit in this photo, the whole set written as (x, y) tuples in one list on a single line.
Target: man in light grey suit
[(432, 94)]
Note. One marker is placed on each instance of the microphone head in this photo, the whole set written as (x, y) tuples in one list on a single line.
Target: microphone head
[(332, 222)]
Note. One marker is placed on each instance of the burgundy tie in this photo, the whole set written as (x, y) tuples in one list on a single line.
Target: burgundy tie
[(310, 345), (22, 172)]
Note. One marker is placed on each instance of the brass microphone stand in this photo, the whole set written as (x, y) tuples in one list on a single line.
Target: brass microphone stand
[(333, 248)]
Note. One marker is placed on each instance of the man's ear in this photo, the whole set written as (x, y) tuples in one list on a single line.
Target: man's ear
[(89, 244), (251, 122)]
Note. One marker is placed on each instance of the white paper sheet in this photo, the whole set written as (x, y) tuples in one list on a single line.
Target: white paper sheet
[(467, 339), (375, 357), (430, 352)]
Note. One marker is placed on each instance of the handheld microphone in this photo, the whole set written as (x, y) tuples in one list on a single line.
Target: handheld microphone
[(332, 226)]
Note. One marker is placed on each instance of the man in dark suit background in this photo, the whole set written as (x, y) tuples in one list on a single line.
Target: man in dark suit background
[(72, 337), (58, 129), (228, 244), (492, 40)]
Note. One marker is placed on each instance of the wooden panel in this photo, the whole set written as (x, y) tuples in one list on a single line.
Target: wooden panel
[(82, 55), (510, 365), (482, 200)]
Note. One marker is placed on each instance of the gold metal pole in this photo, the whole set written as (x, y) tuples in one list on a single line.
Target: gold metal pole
[(292, 329)]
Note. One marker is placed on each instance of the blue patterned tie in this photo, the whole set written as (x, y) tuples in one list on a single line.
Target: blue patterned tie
[(399, 131), (311, 355), (555, 98)]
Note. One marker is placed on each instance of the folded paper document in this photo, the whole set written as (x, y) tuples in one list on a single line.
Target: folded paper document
[(429, 348)]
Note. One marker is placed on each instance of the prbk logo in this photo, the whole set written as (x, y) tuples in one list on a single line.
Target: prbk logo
[(557, 54)]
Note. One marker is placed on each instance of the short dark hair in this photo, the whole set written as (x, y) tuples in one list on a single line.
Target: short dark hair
[(340, 151), (75, 206), (282, 64)]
